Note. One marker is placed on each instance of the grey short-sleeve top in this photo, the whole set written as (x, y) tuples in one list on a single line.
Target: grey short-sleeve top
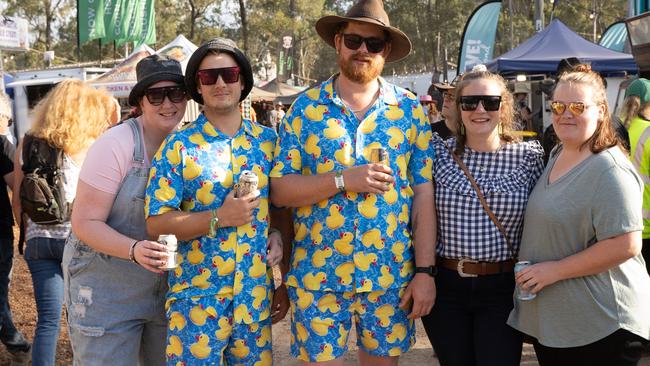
[(598, 199)]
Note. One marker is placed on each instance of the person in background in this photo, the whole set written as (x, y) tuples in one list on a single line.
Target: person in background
[(116, 112), (6, 120), (115, 291), (635, 115), (523, 114), (582, 234), (478, 238), (430, 108), (70, 118), (445, 127), (276, 116), (363, 248), (16, 344)]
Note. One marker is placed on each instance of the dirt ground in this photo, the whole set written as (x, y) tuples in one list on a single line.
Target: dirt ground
[(21, 298)]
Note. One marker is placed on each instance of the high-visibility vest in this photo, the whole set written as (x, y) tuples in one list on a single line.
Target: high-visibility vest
[(640, 156)]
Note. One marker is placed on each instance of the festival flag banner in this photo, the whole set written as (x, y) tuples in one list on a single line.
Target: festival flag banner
[(14, 34), (285, 58), (148, 31), (479, 34), (91, 20), (132, 20), (113, 19), (641, 6), (615, 37)]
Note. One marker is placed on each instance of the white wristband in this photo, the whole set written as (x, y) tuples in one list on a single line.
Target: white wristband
[(338, 180)]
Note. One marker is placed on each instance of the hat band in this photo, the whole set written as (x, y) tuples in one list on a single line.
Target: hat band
[(370, 16)]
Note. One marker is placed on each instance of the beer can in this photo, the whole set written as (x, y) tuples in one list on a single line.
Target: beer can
[(379, 155), (170, 241), (520, 292), (248, 182)]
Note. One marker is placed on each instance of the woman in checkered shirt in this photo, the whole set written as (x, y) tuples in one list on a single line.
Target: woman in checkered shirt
[(475, 258)]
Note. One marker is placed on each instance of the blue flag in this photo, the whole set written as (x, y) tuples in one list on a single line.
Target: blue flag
[(615, 37), (480, 31)]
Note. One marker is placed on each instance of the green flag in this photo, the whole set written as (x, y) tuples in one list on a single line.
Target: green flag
[(132, 20), (113, 19), (148, 32), (91, 20)]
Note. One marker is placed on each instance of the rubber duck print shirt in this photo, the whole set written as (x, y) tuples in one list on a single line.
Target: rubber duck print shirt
[(194, 169), (354, 241)]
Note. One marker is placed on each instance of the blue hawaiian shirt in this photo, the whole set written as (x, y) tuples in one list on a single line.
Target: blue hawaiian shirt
[(193, 171), (354, 241)]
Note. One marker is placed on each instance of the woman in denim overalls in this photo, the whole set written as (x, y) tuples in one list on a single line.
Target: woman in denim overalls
[(114, 290)]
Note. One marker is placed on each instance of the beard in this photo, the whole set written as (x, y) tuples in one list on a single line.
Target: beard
[(361, 74)]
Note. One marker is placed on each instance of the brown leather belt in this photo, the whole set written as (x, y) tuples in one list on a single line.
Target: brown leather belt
[(471, 268)]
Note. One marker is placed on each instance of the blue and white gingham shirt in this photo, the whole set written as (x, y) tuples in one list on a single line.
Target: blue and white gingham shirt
[(506, 178)]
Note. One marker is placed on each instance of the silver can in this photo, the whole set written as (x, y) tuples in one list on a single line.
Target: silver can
[(520, 292), (248, 182), (379, 155), (171, 242)]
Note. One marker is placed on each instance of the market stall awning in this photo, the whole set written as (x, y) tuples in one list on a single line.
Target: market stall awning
[(542, 53)]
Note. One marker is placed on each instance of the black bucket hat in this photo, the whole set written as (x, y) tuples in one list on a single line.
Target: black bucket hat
[(151, 70), (221, 45)]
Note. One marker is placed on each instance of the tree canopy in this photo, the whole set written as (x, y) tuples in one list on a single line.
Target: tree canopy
[(258, 26)]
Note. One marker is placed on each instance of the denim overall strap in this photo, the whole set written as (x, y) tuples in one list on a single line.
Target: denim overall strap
[(127, 213)]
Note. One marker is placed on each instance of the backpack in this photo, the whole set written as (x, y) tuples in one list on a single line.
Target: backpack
[(42, 194)]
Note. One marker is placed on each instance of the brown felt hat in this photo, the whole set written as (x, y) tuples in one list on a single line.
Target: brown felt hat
[(371, 12)]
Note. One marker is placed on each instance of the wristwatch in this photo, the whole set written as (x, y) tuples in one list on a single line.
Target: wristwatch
[(338, 180), (430, 270)]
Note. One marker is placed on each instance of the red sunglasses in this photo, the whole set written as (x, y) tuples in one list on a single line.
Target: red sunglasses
[(229, 75)]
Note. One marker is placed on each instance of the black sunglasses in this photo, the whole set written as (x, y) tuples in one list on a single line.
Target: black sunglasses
[(228, 74), (354, 41), (490, 103), (156, 96)]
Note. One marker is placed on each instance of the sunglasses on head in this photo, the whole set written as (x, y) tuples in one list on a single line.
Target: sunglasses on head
[(229, 75), (354, 41), (156, 96), (490, 103), (576, 108)]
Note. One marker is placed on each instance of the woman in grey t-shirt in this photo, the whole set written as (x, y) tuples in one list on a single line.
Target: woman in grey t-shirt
[(582, 228)]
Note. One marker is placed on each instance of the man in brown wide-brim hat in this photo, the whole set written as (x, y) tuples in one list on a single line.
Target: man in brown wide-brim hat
[(364, 248)]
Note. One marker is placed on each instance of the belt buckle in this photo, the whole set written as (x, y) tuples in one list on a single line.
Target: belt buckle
[(461, 264)]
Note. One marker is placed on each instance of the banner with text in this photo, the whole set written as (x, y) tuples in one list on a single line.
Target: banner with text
[(91, 20), (14, 35), (479, 34), (285, 58)]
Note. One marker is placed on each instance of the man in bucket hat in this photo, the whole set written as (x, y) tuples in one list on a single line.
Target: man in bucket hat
[(219, 299), (353, 256)]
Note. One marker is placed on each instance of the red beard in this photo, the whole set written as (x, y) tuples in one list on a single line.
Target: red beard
[(361, 74)]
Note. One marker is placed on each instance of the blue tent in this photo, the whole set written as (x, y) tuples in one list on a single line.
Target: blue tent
[(7, 79), (541, 54)]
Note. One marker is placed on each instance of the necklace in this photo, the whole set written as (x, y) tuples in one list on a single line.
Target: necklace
[(359, 113)]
